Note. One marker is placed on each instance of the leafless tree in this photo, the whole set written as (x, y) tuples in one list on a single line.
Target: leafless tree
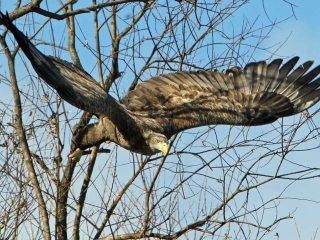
[(216, 181)]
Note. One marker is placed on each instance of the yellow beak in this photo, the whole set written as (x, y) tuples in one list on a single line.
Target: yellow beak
[(164, 148)]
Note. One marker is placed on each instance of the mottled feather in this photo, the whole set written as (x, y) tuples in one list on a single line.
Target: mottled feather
[(259, 94), (167, 104)]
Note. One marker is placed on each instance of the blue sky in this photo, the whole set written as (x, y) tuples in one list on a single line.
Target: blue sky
[(303, 36)]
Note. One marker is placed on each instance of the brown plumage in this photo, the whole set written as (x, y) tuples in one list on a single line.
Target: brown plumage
[(165, 105)]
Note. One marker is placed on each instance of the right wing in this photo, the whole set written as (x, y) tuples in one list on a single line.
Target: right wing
[(73, 84)]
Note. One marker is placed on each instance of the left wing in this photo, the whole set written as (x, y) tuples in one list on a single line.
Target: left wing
[(257, 95)]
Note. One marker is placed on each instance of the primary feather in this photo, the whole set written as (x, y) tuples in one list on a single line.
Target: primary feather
[(259, 94), (165, 105)]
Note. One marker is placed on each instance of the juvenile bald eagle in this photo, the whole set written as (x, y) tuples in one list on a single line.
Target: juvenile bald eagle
[(165, 105)]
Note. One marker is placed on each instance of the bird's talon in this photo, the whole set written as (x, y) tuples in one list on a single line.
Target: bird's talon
[(76, 155)]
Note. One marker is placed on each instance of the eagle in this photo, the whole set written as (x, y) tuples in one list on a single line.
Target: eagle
[(165, 105)]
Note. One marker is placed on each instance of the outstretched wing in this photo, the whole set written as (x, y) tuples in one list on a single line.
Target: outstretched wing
[(71, 82), (257, 95)]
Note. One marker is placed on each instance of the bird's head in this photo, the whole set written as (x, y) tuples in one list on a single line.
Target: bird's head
[(158, 143)]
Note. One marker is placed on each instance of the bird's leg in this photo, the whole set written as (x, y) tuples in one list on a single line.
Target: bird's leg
[(91, 135), (76, 151), (76, 155)]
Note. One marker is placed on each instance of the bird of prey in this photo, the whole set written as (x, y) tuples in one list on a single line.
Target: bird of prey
[(165, 105)]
